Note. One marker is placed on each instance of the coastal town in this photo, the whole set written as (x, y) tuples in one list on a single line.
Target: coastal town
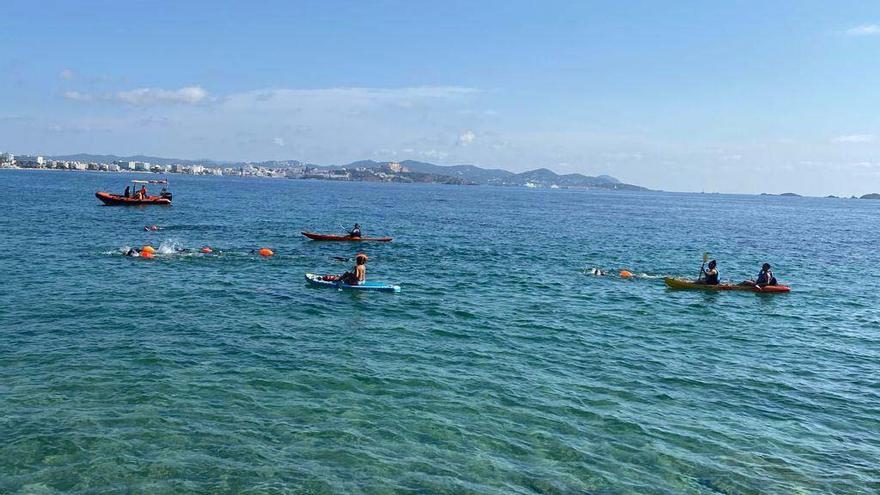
[(362, 171), (385, 172), (406, 171)]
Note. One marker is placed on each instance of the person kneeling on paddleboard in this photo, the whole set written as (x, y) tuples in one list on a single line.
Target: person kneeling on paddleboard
[(359, 275), (709, 276)]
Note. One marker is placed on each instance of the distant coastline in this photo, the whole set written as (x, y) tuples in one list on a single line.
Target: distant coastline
[(407, 171), (795, 195)]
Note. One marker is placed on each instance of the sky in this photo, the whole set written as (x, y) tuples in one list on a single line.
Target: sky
[(747, 97)]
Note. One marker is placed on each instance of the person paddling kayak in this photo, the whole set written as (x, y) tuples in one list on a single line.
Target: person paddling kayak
[(355, 231), (359, 274), (709, 275)]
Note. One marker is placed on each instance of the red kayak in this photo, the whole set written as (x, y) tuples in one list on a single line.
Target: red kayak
[(675, 283), (119, 200), (332, 237)]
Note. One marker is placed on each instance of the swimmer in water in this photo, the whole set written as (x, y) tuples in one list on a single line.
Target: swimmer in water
[(132, 252)]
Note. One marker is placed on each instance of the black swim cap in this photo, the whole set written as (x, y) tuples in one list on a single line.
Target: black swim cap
[(766, 266)]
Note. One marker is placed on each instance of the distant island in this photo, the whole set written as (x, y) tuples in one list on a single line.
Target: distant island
[(407, 171), (787, 194), (871, 196)]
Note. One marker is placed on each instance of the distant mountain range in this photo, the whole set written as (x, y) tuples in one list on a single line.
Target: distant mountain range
[(541, 177)]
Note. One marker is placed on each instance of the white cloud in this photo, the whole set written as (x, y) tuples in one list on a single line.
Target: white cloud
[(466, 138), (853, 138), (189, 95), (623, 155), (67, 74), (349, 100), (77, 96), (434, 154), (864, 30), (353, 96), (150, 96), (278, 141)]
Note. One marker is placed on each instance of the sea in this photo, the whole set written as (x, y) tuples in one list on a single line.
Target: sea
[(503, 366)]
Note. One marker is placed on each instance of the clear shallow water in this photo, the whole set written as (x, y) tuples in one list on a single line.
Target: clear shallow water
[(500, 367)]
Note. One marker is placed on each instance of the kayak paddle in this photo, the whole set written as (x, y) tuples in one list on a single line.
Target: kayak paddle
[(705, 259)]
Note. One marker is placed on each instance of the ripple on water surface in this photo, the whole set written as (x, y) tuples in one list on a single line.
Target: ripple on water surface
[(500, 368)]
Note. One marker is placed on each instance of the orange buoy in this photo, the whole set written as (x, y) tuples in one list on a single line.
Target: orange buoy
[(266, 252), (146, 254), (148, 249), (625, 274), (207, 250)]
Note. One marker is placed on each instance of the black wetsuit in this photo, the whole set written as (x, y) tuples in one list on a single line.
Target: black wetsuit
[(765, 278), (710, 278)]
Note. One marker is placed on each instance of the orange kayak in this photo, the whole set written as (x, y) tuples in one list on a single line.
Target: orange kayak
[(677, 283), (345, 238)]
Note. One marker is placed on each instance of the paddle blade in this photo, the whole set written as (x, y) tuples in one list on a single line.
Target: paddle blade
[(705, 257)]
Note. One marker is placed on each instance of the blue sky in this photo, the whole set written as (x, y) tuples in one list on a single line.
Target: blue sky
[(733, 97)]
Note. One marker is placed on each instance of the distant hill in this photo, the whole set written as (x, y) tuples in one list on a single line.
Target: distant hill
[(465, 174), (546, 177), (787, 194), (871, 196), (541, 177)]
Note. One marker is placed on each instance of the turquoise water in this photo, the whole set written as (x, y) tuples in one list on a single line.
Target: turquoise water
[(500, 368)]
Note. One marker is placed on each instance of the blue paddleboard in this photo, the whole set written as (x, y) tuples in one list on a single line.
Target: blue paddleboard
[(318, 281)]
